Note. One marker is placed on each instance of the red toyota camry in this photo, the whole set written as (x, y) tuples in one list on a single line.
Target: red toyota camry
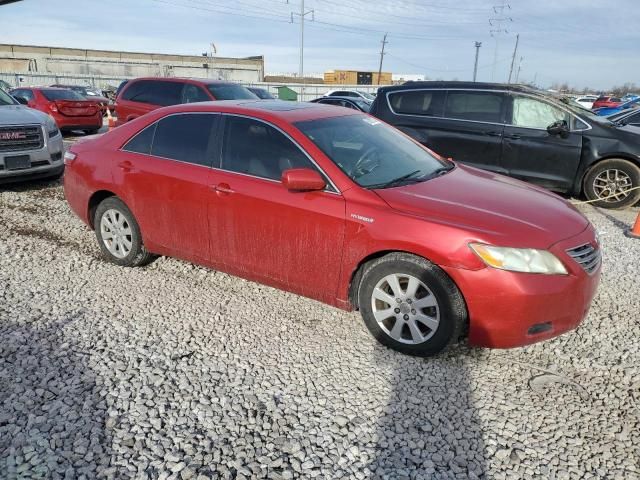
[(338, 206)]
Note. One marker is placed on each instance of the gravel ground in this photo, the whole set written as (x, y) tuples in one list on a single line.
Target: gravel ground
[(174, 371)]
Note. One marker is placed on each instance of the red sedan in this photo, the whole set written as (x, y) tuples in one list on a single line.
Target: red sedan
[(606, 102), (70, 110), (338, 206)]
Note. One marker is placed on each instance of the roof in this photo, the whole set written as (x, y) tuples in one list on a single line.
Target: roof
[(266, 109), (460, 84), (185, 79)]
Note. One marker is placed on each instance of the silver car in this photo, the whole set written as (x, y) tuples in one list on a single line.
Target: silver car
[(30, 143)]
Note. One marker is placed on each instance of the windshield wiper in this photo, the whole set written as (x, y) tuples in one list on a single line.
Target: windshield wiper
[(411, 176), (395, 181)]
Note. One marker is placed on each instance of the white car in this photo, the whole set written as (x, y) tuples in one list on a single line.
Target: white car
[(366, 96), (587, 101)]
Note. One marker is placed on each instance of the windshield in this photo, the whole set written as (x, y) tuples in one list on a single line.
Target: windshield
[(230, 91), (366, 95), (61, 95), (583, 112), (371, 153), (6, 99), (362, 104)]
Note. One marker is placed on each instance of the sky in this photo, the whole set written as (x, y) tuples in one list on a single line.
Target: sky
[(585, 43)]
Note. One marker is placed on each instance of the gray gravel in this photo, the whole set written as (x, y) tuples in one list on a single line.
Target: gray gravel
[(174, 371)]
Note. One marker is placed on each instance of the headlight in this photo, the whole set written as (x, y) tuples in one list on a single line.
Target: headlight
[(528, 260), (52, 127)]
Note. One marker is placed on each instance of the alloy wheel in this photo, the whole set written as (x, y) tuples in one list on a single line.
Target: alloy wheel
[(116, 233), (612, 183), (405, 308)]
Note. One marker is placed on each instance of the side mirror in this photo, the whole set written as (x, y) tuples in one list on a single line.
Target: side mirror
[(559, 128), (302, 180)]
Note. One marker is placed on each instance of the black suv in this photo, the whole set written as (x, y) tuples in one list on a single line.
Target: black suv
[(521, 132)]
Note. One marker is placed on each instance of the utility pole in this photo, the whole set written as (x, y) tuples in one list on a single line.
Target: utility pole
[(475, 65), (302, 14), (497, 21), (384, 42), (513, 58), (519, 68)]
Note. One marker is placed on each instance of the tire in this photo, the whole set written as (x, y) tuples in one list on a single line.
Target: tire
[(115, 213), (450, 310), (627, 175)]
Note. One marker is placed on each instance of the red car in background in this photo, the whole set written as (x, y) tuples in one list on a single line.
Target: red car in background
[(70, 110), (338, 206), (606, 102), (144, 95)]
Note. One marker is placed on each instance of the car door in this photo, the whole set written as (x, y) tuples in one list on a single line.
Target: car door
[(164, 171), (531, 153), (264, 231), (465, 125), (472, 127)]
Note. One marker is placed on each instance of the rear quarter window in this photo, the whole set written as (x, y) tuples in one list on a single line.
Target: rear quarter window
[(418, 102)]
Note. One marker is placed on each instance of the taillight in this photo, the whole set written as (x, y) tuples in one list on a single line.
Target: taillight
[(69, 157), (53, 107)]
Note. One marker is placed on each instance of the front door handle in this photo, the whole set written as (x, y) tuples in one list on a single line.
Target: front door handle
[(515, 136), (491, 133), (223, 189), (125, 165)]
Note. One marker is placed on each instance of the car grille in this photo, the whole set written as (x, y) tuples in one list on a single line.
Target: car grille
[(587, 256), (19, 138)]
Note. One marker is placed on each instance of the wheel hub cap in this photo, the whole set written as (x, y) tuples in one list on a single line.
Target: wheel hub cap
[(116, 233)]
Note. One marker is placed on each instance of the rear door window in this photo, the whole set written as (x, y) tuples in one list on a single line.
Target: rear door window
[(255, 148), (418, 102), (188, 137), (142, 142), (475, 105)]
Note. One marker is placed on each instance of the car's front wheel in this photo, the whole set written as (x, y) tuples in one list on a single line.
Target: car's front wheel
[(119, 235), (611, 183), (411, 305)]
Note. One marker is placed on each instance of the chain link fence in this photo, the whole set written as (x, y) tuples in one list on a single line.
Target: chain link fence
[(305, 92)]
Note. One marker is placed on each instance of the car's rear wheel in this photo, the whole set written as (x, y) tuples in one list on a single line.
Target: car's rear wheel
[(119, 235), (610, 183), (411, 305)]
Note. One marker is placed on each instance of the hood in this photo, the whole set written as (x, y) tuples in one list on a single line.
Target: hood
[(19, 114), (491, 208)]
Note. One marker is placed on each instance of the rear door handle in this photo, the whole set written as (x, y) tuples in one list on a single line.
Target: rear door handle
[(223, 189), (491, 133), (515, 136)]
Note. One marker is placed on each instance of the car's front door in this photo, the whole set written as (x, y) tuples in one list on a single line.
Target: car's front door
[(264, 231), (164, 174), (531, 153)]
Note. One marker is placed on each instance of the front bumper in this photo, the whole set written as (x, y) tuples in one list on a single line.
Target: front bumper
[(45, 162), (509, 309)]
